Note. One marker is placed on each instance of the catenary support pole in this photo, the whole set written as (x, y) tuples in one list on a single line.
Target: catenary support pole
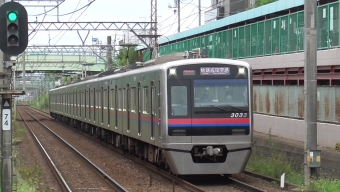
[(179, 15), (6, 151), (310, 85), (108, 54), (199, 12)]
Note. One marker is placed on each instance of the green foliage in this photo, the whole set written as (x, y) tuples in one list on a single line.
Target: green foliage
[(67, 80), (324, 184), (28, 178), (263, 2), (40, 102), (274, 163), (337, 146), (31, 175), (121, 57)]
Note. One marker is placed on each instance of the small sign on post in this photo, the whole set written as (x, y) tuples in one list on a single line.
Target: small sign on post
[(6, 114)]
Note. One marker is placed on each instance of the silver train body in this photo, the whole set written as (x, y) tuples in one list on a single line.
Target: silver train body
[(193, 116)]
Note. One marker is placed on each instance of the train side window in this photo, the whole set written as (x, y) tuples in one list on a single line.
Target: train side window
[(133, 100), (179, 101), (119, 100), (90, 103), (152, 104), (85, 103), (108, 105), (123, 100), (145, 104), (153, 97), (112, 99), (94, 104), (116, 107), (102, 103), (99, 99)]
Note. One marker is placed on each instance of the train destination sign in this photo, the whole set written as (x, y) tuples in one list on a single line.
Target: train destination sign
[(189, 72), (215, 71)]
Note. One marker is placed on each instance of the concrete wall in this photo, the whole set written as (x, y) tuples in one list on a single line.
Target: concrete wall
[(328, 134), (325, 58)]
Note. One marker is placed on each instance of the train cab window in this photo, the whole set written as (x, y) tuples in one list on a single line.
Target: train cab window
[(145, 101), (133, 100), (179, 106), (220, 92)]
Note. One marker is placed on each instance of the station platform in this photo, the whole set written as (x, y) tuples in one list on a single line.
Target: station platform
[(330, 158)]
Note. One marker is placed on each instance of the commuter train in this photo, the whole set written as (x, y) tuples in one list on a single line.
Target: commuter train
[(189, 115)]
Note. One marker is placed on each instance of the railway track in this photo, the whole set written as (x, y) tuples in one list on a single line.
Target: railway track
[(228, 182), (55, 164)]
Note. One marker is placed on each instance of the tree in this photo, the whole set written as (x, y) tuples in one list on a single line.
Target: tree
[(263, 2), (123, 53)]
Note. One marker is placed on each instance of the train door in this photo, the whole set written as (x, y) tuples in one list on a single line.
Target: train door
[(139, 109), (128, 96), (153, 100), (179, 110)]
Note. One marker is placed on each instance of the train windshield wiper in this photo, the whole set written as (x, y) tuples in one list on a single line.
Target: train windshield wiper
[(219, 108), (232, 106), (227, 106)]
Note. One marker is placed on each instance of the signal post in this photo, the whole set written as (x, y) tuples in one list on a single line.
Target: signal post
[(13, 41)]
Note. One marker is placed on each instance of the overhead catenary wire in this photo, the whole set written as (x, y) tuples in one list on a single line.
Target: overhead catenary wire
[(174, 14), (68, 20), (75, 20), (170, 25), (195, 6), (85, 6), (50, 9), (181, 20), (36, 29)]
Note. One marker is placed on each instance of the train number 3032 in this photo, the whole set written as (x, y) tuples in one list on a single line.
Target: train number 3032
[(233, 115)]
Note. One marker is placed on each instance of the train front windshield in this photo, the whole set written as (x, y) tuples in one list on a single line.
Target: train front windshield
[(220, 92), (208, 103)]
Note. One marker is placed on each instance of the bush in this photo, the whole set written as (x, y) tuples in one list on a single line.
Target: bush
[(337, 146)]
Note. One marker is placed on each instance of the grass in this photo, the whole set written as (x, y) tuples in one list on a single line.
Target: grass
[(274, 163), (28, 178)]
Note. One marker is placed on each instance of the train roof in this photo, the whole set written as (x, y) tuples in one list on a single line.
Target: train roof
[(165, 61)]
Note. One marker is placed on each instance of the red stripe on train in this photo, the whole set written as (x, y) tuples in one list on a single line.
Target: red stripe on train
[(210, 121)]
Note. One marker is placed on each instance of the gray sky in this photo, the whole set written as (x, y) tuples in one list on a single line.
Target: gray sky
[(111, 10)]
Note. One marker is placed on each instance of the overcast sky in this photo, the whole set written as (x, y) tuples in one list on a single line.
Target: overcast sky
[(110, 10)]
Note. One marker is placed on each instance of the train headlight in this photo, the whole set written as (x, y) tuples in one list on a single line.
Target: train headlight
[(241, 70), (172, 71)]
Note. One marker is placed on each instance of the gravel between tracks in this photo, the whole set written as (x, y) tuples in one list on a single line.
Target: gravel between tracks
[(77, 174), (132, 176)]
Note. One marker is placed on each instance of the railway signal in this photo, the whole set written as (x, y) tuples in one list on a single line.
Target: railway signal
[(13, 28)]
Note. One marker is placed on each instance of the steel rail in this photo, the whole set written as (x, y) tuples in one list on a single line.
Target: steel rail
[(60, 179), (100, 172)]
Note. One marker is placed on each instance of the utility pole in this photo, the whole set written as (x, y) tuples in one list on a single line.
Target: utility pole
[(199, 12), (13, 41), (114, 49), (310, 91), (108, 54), (23, 71), (178, 6), (179, 15)]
